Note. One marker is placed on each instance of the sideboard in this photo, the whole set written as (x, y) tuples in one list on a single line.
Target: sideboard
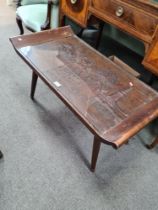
[(138, 18)]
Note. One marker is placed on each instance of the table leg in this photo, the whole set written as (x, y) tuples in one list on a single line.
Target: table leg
[(152, 145), (95, 152), (1, 154), (33, 84)]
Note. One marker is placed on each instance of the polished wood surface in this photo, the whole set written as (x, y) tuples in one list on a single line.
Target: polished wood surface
[(112, 103), (126, 17), (151, 58), (139, 18), (148, 5), (76, 11)]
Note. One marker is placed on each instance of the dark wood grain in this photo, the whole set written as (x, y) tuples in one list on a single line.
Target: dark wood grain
[(138, 23), (78, 12), (113, 104), (139, 19), (151, 58)]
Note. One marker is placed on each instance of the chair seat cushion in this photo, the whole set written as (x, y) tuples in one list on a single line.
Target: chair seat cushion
[(33, 16)]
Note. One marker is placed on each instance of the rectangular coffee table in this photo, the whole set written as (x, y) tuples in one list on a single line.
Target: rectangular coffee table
[(112, 103)]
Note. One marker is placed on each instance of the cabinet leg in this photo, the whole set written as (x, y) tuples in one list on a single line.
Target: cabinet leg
[(80, 33), (95, 152), (33, 84), (98, 38), (152, 145), (62, 20), (151, 80)]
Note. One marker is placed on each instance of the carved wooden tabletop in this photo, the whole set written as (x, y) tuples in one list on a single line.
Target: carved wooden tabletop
[(113, 104)]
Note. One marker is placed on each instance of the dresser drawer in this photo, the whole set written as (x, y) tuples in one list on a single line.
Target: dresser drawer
[(129, 18)]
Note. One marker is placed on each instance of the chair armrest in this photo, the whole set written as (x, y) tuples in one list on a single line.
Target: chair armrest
[(46, 25)]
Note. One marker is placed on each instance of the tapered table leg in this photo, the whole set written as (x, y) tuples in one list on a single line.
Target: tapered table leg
[(95, 152), (1, 154), (155, 142), (33, 84)]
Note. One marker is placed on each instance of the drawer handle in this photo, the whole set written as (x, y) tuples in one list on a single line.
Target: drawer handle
[(119, 11), (73, 1)]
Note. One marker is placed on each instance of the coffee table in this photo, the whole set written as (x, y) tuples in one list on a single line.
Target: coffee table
[(113, 104)]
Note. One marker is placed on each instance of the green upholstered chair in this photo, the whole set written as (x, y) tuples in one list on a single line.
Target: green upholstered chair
[(37, 15)]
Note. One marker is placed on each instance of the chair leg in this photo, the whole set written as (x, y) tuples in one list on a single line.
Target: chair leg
[(33, 84), (19, 23), (152, 145), (95, 152)]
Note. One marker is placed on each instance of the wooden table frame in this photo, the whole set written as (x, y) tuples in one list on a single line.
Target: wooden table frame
[(112, 103), (97, 140)]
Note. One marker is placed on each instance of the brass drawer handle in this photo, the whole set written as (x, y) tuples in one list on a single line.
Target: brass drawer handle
[(119, 11), (73, 1)]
